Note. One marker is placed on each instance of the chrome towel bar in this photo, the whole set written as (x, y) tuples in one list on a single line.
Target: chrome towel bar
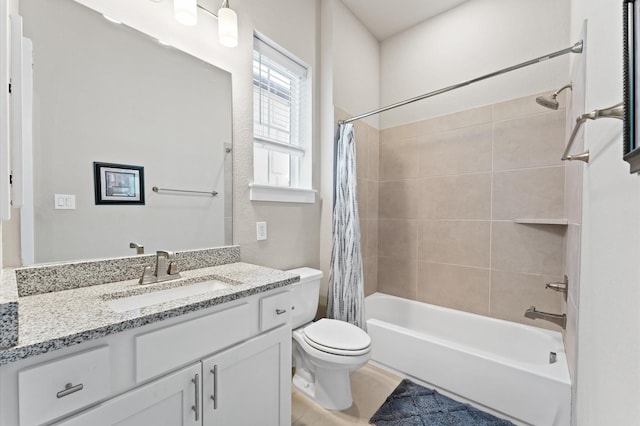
[(212, 193)]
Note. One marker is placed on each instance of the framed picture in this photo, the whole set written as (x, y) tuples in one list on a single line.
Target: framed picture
[(631, 77), (118, 183)]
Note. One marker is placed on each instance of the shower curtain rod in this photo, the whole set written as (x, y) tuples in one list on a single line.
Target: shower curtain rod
[(576, 48)]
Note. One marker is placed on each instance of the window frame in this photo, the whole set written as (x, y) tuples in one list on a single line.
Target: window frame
[(299, 185)]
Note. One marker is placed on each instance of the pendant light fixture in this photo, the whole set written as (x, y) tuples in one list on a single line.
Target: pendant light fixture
[(186, 11), (227, 26)]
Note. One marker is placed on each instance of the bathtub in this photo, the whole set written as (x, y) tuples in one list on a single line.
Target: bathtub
[(500, 366)]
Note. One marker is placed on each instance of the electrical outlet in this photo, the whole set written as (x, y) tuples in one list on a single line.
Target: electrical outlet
[(261, 230)]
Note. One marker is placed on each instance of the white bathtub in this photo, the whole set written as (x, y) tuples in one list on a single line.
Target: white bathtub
[(491, 363)]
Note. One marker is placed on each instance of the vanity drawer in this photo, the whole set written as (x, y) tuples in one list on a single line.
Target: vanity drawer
[(54, 388), (166, 349), (275, 310)]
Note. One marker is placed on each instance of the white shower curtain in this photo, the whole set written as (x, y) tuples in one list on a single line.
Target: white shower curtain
[(346, 282)]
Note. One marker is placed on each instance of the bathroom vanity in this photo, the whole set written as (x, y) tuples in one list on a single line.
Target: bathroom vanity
[(110, 353)]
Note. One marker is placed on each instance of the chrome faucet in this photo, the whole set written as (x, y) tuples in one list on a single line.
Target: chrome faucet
[(533, 314), (166, 266), (166, 269), (139, 248)]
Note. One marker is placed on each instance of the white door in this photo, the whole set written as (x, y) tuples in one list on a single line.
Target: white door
[(250, 384), (168, 401)]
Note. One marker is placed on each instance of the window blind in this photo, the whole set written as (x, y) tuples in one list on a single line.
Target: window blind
[(279, 90)]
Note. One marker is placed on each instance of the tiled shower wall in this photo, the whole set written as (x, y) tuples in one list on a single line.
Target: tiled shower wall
[(450, 191)]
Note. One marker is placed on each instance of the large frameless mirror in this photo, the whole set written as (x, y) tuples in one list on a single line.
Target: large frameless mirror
[(105, 93)]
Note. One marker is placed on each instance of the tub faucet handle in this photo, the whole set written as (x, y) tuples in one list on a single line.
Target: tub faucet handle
[(562, 286)]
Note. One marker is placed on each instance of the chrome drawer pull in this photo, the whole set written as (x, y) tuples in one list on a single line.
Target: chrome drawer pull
[(69, 389), (280, 311), (214, 397), (196, 408)]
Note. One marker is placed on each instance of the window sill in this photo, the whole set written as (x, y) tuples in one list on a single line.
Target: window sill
[(281, 194)]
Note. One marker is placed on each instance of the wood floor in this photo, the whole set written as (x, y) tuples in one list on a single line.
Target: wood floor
[(370, 386)]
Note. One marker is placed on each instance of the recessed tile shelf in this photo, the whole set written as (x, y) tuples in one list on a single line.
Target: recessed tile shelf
[(525, 221)]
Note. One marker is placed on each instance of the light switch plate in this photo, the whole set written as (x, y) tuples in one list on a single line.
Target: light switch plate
[(64, 201), (261, 230)]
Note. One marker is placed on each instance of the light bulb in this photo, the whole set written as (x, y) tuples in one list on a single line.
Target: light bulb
[(227, 27), (186, 11)]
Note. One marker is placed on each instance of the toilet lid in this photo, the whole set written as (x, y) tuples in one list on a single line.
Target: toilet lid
[(337, 337)]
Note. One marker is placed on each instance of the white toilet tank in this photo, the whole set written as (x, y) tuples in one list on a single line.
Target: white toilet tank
[(305, 295)]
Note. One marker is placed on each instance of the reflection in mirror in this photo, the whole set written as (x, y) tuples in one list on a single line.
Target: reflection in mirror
[(106, 93)]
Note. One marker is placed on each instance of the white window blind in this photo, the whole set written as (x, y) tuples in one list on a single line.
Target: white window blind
[(280, 94)]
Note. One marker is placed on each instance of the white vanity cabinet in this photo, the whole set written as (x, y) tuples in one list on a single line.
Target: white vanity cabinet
[(249, 384), (222, 366), (170, 400)]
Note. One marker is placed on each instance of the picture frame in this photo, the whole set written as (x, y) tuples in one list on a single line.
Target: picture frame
[(631, 33), (118, 183)]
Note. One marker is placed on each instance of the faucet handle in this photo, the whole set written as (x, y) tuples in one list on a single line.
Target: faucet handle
[(173, 268), (147, 276)]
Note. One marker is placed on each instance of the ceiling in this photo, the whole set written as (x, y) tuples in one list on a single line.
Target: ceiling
[(384, 18)]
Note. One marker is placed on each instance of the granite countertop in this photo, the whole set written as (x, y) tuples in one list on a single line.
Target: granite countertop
[(54, 320)]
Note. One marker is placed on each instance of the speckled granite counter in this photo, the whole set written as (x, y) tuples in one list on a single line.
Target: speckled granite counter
[(49, 321)]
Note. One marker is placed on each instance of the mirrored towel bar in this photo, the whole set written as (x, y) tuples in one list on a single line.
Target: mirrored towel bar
[(184, 191)]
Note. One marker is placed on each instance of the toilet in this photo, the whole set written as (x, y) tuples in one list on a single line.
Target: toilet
[(324, 352)]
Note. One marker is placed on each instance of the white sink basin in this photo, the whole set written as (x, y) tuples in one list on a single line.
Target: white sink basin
[(153, 298)]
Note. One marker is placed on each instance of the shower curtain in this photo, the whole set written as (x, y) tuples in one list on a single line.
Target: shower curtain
[(346, 283)]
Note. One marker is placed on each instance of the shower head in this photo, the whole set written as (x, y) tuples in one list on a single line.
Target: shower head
[(551, 101)]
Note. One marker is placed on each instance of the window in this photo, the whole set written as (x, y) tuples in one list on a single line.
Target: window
[(281, 125)]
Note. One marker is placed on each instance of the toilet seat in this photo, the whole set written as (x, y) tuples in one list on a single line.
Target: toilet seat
[(337, 337)]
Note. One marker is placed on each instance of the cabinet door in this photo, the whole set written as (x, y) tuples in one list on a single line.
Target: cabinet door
[(250, 384), (169, 401)]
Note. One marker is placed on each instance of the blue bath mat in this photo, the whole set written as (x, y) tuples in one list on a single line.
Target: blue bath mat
[(414, 405)]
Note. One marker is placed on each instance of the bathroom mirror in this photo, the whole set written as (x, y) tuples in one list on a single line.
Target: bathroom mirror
[(106, 93), (631, 81)]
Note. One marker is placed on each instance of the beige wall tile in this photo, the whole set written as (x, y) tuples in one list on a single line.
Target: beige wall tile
[(371, 249), (571, 339), (362, 149), (374, 153), (372, 198), (409, 130), (521, 107), (535, 249), (397, 277), (455, 197), (457, 120), (531, 141), (397, 238), (454, 242), (466, 150), (529, 193), (364, 236), (398, 159), (389, 135), (370, 271), (363, 198), (573, 191), (397, 199), (513, 293), (572, 263), (455, 287)]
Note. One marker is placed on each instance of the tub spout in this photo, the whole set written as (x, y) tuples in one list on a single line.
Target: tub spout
[(533, 314)]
